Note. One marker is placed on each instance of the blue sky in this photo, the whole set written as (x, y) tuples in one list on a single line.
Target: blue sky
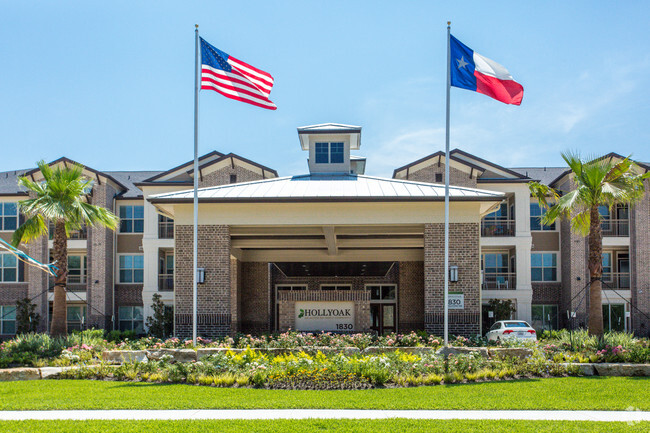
[(110, 84)]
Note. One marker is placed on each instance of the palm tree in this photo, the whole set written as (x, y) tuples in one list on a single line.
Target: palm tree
[(598, 182), (61, 198)]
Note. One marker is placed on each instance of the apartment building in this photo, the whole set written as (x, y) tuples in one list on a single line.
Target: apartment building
[(333, 249)]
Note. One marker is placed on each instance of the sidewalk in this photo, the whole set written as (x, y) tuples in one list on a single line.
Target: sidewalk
[(559, 415)]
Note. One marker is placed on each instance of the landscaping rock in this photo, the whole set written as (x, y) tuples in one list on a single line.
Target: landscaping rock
[(331, 350), (50, 372), (121, 356), (585, 369), (446, 351), (22, 373), (510, 352), (177, 355), (611, 369)]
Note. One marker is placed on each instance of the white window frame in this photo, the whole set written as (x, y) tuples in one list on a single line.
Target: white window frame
[(83, 319), (3, 216), (4, 309), (132, 320), (83, 270), (2, 268), (558, 275), (119, 268), (543, 211), (346, 287), (544, 307), (132, 219)]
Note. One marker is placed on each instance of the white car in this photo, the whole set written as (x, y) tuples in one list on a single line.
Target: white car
[(507, 329)]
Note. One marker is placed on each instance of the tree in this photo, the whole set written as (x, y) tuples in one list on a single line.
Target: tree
[(503, 308), (26, 316), (61, 198), (161, 324), (598, 182)]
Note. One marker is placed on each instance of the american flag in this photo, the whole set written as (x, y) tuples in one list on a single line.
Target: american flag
[(233, 78)]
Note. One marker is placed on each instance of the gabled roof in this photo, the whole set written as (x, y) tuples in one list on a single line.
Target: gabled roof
[(234, 156), (328, 188), (437, 156), (9, 182), (458, 152), (611, 155), (542, 174), (67, 161), (185, 165)]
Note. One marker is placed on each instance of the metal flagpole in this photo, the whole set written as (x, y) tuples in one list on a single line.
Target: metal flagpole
[(446, 296), (196, 184)]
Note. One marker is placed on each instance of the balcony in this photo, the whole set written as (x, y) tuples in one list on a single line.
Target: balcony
[(166, 230), (81, 234), (499, 280), (616, 281), (615, 227), (493, 228), (165, 282), (75, 283)]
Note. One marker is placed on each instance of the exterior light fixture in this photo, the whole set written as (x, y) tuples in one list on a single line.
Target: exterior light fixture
[(200, 275), (453, 274)]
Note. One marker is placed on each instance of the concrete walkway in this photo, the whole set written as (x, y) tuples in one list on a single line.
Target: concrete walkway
[(558, 415)]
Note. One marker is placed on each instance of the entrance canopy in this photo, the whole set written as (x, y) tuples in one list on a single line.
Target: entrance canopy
[(327, 218)]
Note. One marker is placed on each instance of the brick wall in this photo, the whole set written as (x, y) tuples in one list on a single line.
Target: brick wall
[(456, 177), (639, 265), (222, 176), (214, 310), (38, 280), (464, 252), (410, 295), (235, 293), (255, 310), (547, 293), (100, 263)]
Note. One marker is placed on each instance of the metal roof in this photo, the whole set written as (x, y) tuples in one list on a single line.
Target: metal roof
[(329, 187), (328, 128)]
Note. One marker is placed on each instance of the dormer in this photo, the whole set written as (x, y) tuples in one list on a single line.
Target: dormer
[(329, 146)]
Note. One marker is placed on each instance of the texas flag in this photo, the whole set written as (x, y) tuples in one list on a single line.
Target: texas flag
[(472, 71)]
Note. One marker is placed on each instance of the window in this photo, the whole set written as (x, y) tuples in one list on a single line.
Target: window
[(285, 288), (331, 153), (496, 273), (77, 315), (544, 317), (438, 177), (383, 293), (7, 319), (335, 287), (131, 269), (607, 267), (233, 178), (131, 319), (165, 227), (543, 267), (131, 219), (8, 268), (8, 216), (77, 269), (536, 214)]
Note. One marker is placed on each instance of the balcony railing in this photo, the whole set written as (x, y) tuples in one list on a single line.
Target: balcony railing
[(81, 234), (615, 227), (165, 282), (616, 280), (166, 230), (74, 283), (499, 280), (491, 228)]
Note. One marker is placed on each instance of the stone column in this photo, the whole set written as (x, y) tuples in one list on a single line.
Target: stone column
[(464, 252), (214, 306)]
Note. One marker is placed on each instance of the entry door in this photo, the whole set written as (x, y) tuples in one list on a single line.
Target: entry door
[(624, 271), (614, 317), (383, 318)]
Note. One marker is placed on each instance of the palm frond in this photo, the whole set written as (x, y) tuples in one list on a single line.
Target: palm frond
[(581, 222), (31, 229)]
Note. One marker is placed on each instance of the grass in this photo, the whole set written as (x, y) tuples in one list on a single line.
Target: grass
[(567, 393), (298, 426)]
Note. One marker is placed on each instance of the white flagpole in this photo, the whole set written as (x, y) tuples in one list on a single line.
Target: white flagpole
[(446, 296), (196, 184)]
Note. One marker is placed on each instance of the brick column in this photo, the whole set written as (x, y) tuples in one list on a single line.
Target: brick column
[(574, 277), (640, 271), (410, 293), (214, 306), (464, 252), (256, 298), (38, 280), (100, 248)]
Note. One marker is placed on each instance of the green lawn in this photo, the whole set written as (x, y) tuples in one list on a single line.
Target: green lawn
[(570, 393), (298, 426)]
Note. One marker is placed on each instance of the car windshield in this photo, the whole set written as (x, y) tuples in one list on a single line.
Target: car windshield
[(516, 325)]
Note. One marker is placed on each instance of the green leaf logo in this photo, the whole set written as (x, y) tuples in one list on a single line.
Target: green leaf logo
[(301, 314)]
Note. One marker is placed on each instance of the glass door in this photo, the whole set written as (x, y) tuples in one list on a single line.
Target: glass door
[(383, 308), (614, 317)]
